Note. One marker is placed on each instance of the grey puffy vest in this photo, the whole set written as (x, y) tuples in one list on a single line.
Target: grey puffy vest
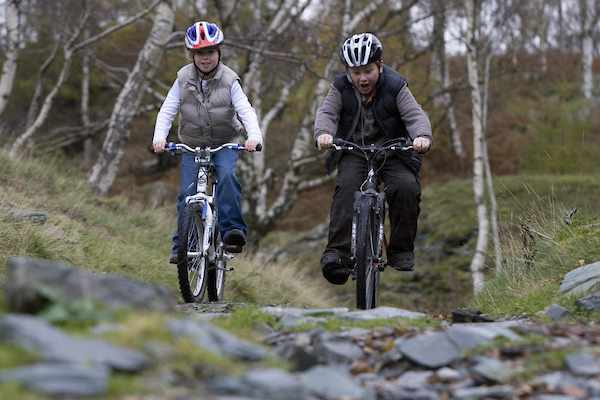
[(209, 118)]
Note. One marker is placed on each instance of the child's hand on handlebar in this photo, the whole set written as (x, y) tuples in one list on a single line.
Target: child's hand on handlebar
[(251, 145), (160, 146), (421, 145), (324, 141)]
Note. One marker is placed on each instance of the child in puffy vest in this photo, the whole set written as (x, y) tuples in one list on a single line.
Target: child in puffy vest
[(209, 98), (370, 103)]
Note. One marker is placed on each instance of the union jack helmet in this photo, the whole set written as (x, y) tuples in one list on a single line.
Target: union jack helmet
[(360, 49), (203, 35)]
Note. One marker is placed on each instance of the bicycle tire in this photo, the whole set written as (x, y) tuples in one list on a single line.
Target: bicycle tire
[(216, 272), (366, 276), (191, 264)]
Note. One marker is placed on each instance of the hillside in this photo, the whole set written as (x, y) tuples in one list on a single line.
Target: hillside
[(285, 328), (125, 236)]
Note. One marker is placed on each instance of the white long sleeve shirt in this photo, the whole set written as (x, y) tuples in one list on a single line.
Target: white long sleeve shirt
[(170, 107)]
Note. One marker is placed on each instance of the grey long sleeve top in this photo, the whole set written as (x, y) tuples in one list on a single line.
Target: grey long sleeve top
[(414, 117)]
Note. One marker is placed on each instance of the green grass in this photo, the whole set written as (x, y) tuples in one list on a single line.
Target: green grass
[(121, 236), (539, 247)]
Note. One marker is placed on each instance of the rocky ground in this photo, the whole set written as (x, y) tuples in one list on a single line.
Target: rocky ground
[(465, 356)]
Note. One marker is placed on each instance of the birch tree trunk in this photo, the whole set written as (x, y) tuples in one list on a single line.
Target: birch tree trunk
[(542, 33), (105, 169), (69, 49), (9, 67), (488, 169), (588, 8), (478, 261), (441, 71)]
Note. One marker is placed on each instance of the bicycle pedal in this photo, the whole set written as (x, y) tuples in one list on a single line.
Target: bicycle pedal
[(233, 248)]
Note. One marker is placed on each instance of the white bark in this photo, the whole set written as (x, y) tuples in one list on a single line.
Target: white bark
[(587, 46), (69, 49), (9, 67), (542, 33), (441, 71), (478, 261), (105, 169), (488, 169)]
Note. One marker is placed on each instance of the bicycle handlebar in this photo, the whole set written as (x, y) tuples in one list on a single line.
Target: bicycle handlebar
[(187, 149), (403, 144)]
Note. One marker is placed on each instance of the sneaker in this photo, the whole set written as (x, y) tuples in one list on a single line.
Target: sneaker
[(405, 264), (334, 271), (234, 241), (173, 259)]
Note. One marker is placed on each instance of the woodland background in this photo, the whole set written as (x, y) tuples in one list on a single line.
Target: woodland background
[(507, 84)]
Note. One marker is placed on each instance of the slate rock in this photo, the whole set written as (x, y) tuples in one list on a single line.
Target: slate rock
[(414, 379), (557, 313), (490, 371), (56, 346), (432, 350), (380, 313), (460, 315), (581, 280), (470, 336), (334, 382), (61, 379), (263, 384), (584, 364), (217, 341), (26, 275), (504, 392), (299, 356), (334, 349), (19, 214), (589, 303)]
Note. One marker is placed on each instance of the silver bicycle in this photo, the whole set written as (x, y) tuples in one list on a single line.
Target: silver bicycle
[(201, 256)]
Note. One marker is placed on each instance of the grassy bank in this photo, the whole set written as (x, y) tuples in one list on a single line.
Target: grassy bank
[(115, 235)]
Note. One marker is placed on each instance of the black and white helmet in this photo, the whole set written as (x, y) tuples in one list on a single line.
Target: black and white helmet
[(360, 49)]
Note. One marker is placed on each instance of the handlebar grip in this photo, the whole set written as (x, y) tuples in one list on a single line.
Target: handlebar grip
[(259, 147)]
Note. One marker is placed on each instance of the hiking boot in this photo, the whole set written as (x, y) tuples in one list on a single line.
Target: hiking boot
[(234, 241), (334, 271), (173, 259), (405, 264)]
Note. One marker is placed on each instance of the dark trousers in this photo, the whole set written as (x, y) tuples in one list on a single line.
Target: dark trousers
[(403, 195)]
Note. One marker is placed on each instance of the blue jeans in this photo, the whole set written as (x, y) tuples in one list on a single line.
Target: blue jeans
[(229, 191)]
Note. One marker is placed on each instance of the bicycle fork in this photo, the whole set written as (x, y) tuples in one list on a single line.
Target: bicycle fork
[(377, 222)]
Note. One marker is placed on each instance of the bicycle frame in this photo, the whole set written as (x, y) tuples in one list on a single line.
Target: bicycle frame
[(203, 158), (368, 234), (369, 188)]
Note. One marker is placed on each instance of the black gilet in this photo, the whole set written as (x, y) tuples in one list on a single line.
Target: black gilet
[(387, 118)]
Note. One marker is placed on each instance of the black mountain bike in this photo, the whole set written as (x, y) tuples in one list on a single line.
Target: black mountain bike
[(368, 236), (201, 256)]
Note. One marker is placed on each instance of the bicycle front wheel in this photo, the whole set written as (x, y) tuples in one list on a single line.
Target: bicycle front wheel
[(191, 262), (367, 277), (216, 273)]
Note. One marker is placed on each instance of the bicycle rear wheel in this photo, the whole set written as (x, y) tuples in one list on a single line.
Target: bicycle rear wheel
[(367, 277), (191, 263), (216, 273)]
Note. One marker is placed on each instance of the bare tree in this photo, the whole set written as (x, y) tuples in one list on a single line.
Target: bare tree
[(70, 48), (9, 67), (588, 20), (441, 72), (129, 100), (472, 8)]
